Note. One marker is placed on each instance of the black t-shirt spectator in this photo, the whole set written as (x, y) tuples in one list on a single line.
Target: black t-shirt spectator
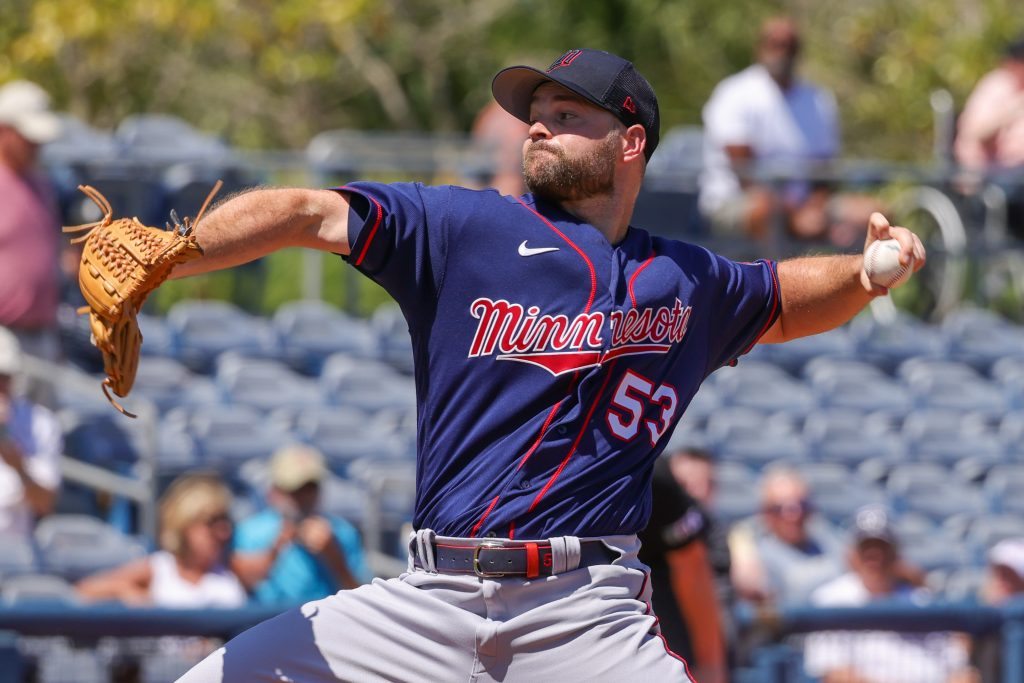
[(676, 521)]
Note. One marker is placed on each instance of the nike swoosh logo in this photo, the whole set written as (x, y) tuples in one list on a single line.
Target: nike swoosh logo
[(533, 251)]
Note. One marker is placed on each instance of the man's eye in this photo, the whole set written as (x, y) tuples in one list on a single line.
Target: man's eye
[(566, 115)]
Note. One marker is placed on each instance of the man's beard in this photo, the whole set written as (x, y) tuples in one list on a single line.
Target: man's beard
[(561, 178)]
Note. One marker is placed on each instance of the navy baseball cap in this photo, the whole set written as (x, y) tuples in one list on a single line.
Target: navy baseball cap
[(607, 80)]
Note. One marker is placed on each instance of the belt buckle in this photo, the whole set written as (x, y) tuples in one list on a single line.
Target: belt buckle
[(476, 561)]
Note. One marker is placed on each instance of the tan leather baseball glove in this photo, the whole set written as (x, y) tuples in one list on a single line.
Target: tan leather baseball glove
[(122, 262)]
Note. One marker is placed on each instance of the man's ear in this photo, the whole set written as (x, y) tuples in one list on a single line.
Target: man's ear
[(634, 142)]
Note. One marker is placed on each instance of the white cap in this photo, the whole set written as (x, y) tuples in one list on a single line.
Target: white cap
[(25, 107), (1009, 553), (10, 353)]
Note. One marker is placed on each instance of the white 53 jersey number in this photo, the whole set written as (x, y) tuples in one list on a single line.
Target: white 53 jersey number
[(635, 398)]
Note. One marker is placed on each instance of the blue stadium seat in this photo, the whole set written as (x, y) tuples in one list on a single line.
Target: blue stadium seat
[(731, 423), (156, 336), (162, 380), (916, 370), (394, 500), (204, 329), (827, 425), (974, 469), (850, 451), (106, 440), (948, 449), (781, 396), (931, 422), (757, 451), (1004, 487), (796, 354), (865, 394), (310, 331), (733, 475), (987, 530), (667, 203), (167, 140), (345, 435), (345, 499), (1009, 371), (128, 192), (837, 493), (263, 384), (394, 343), (176, 449), (706, 402), (76, 545), (936, 552), (18, 555), (982, 348), (35, 589), (888, 345), (963, 584), (367, 385), (832, 371), (230, 435), (913, 527), (730, 380), (730, 506), (939, 499)]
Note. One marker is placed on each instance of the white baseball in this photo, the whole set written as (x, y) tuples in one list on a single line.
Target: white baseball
[(882, 264)]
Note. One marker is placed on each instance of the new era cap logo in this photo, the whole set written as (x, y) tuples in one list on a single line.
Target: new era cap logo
[(565, 60), (629, 105)]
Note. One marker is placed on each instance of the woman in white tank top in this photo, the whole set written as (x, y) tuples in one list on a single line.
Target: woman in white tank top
[(189, 571)]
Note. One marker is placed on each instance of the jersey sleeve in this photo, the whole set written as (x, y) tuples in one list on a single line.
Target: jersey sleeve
[(746, 301), (397, 234)]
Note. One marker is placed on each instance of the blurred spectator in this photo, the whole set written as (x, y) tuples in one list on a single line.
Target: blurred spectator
[(766, 120), (990, 130), (879, 656), (290, 552), (674, 546), (29, 223), (1005, 579), (30, 447), (189, 571), (1004, 582), (502, 135), (788, 551), (693, 468)]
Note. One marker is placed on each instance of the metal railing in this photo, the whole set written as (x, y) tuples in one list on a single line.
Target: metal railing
[(140, 488), (780, 661)]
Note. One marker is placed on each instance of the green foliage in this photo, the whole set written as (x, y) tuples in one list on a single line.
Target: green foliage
[(272, 73)]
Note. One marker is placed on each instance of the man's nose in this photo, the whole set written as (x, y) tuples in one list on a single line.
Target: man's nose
[(538, 131)]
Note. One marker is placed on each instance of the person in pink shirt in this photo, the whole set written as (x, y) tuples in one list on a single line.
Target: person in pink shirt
[(990, 132), (29, 226)]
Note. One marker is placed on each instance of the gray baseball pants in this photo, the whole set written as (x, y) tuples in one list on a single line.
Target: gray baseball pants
[(582, 624)]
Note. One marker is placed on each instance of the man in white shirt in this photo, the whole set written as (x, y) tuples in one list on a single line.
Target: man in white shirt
[(876, 575), (765, 121), (30, 446)]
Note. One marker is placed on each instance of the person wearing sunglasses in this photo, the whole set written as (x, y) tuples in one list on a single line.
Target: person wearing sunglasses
[(787, 551), (189, 570)]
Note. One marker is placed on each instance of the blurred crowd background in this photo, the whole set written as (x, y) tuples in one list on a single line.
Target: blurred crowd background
[(813, 499)]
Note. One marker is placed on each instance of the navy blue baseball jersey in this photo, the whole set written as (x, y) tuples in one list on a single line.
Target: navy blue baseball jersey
[(551, 366)]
